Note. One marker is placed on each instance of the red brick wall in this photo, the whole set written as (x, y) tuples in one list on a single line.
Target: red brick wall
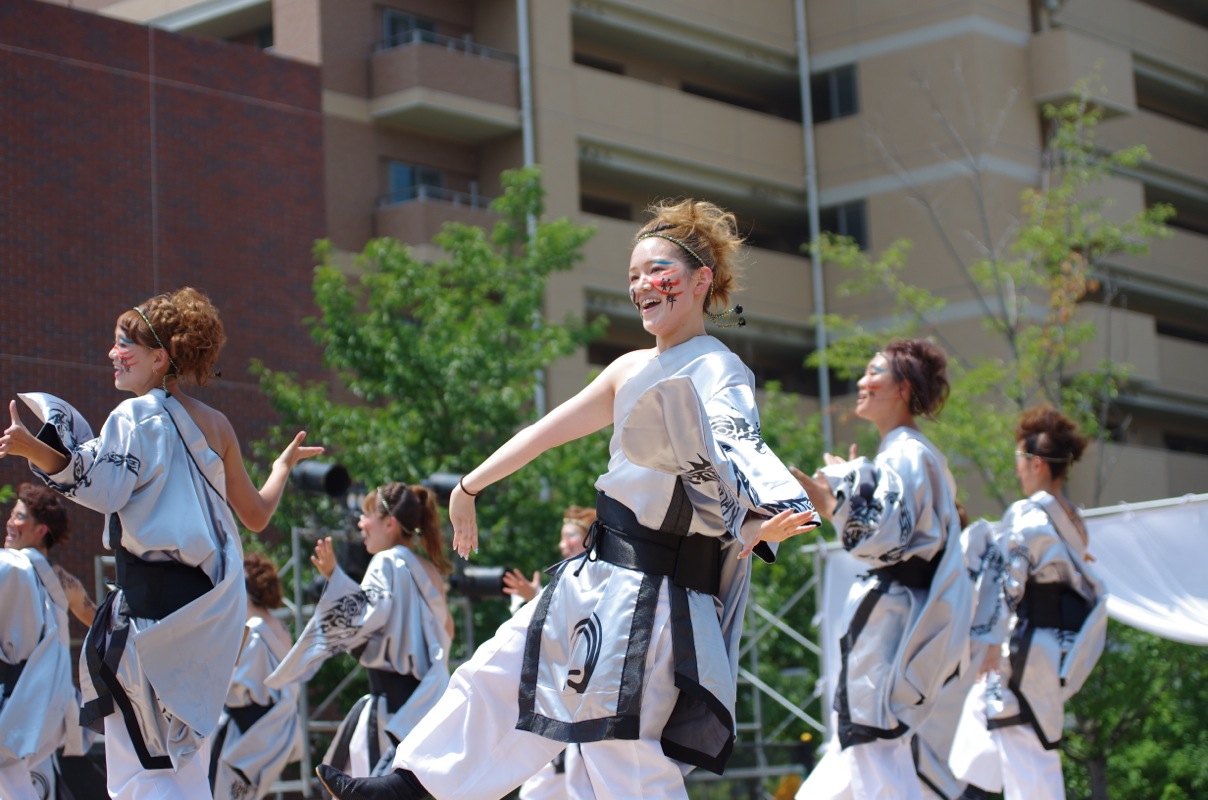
[(132, 162)]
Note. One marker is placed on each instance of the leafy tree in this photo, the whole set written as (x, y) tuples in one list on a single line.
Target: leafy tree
[(1028, 283), (1139, 724), (436, 365)]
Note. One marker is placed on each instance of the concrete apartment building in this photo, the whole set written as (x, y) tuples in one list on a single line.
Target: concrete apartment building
[(426, 101)]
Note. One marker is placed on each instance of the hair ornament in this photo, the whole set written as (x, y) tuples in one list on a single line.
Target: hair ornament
[(676, 241), (160, 342), (730, 318), (578, 523)]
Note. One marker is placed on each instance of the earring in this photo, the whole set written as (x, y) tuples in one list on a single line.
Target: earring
[(730, 318)]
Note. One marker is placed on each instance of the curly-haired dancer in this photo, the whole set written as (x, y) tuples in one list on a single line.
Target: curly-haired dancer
[(1043, 608), (158, 658), (908, 629)]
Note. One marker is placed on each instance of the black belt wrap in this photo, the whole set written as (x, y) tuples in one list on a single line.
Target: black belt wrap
[(155, 589), (915, 573), (692, 561), (9, 675), (395, 687), (1053, 605), (245, 717)]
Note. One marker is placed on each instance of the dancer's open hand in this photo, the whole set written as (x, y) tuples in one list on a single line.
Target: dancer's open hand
[(324, 558)]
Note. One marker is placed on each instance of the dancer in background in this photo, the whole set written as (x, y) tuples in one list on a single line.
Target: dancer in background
[(260, 731), (631, 649), (576, 522), (165, 466), (908, 629), (36, 693), (1043, 610), (38, 522), (396, 622)]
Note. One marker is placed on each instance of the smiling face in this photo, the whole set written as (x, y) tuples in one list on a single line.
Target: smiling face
[(571, 543), (667, 292), (136, 367), (380, 531), (879, 398), (22, 529)]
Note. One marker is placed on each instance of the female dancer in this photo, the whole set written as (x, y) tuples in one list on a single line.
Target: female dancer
[(260, 731), (1042, 606), (910, 619), (163, 470), (396, 622), (631, 649), (38, 523), (576, 522)]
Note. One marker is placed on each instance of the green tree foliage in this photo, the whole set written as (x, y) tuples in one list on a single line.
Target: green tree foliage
[(1141, 729), (1139, 725), (437, 364)]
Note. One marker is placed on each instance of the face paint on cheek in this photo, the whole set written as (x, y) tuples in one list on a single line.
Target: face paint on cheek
[(666, 287), (127, 361)]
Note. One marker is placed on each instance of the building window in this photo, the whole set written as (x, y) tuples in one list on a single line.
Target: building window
[(399, 27), (604, 207), (595, 62), (833, 94), (849, 219), (406, 182)]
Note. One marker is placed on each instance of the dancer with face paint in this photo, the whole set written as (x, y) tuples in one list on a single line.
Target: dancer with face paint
[(631, 649), (157, 661), (908, 630), (396, 622)]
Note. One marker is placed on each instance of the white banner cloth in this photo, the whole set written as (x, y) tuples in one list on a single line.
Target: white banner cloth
[(1152, 556)]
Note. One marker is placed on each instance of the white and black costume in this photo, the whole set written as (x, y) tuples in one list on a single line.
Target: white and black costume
[(908, 622), (394, 622), (1043, 602), (163, 646), (260, 731), (78, 738), (36, 692), (631, 649)]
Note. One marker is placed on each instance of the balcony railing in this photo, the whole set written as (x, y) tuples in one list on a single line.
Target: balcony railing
[(450, 43), (467, 199)]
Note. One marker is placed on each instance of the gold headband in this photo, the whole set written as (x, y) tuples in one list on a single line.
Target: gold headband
[(578, 523), (673, 240), (159, 341)]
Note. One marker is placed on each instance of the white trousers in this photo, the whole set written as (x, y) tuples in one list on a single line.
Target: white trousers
[(1029, 772), (129, 780), (468, 747), (549, 784), (16, 782), (879, 770)]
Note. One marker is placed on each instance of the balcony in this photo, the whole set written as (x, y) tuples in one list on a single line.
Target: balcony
[(415, 216), (1183, 367), (1062, 57), (441, 85), (1174, 269)]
